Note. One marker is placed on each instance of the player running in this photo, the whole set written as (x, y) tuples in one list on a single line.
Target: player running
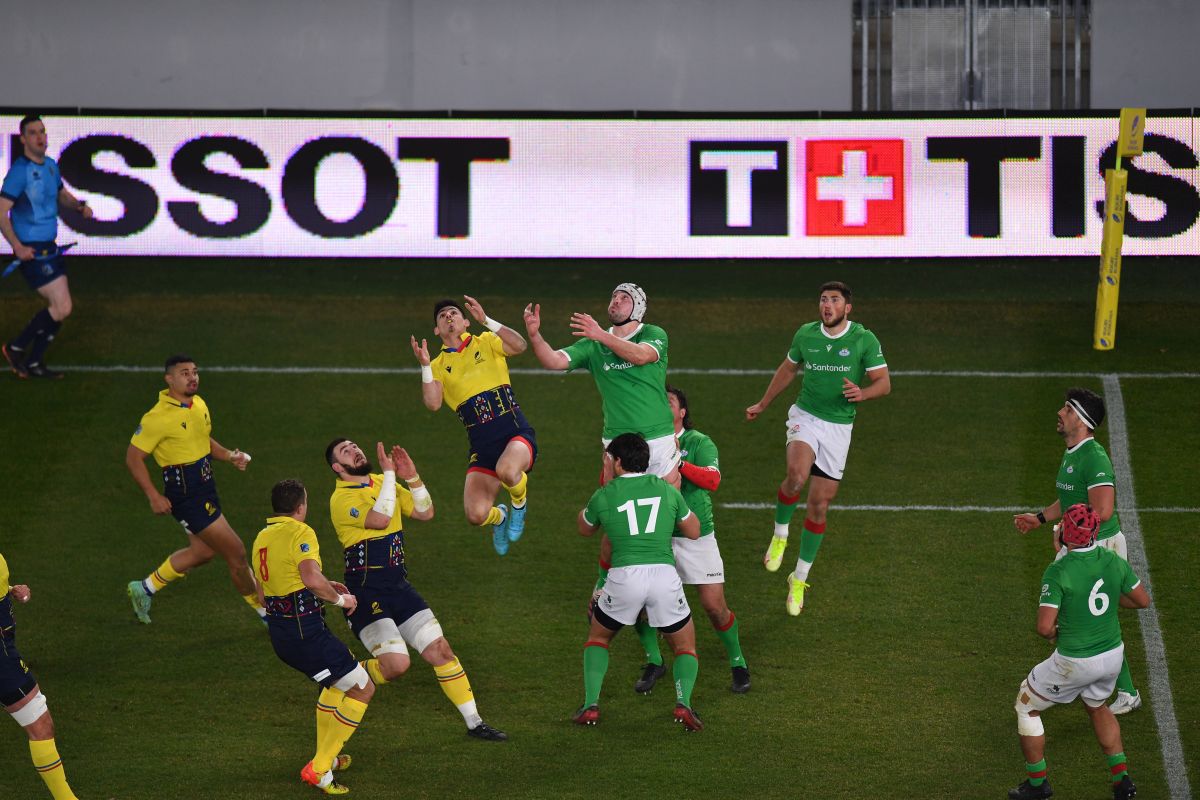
[(639, 511), (835, 354), (1086, 475), (292, 589), (470, 375), (1078, 607)]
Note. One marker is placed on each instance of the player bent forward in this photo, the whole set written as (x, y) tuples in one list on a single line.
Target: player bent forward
[(835, 354), (1078, 606), (292, 588), (368, 509), (638, 512), (23, 699), (471, 375)]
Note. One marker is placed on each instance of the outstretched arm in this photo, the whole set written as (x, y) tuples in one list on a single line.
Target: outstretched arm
[(547, 356), (784, 374), (514, 343), (635, 353), (431, 389)]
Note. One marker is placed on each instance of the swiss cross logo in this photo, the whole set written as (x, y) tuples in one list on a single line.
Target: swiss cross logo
[(854, 187)]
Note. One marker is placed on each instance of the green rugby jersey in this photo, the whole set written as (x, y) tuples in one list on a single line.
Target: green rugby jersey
[(638, 512), (697, 448), (1085, 586), (827, 360), (633, 398), (1084, 467)]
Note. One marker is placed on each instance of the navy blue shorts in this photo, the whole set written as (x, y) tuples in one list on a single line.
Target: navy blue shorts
[(485, 452), (322, 656), (397, 603), (47, 265), (16, 678), (196, 512)]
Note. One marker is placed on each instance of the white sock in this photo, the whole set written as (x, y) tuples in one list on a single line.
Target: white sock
[(802, 568), (146, 585), (781, 530), (326, 779), (470, 714)]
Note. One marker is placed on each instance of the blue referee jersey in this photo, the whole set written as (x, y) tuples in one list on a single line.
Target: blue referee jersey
[(33, 188)]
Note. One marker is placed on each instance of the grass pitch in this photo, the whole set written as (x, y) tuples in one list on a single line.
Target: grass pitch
[(897, 680)]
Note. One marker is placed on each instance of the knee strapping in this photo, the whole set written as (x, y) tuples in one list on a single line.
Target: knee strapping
[(32, 711), (1027, 702)]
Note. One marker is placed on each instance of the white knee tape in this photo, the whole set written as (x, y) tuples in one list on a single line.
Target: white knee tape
[(354, 679), (427, 632), (1027, 701), (32, 711), (382, 637)]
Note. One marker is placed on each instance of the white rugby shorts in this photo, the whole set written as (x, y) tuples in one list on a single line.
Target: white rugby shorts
[(698, 560), (829, 440), (1062, 678), (664, 454), (655, 587)]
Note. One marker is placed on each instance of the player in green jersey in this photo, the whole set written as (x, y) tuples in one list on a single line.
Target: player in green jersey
[(698, 562), (1078, 607), (1086, 475), (835, 355), (639, 512), (629, 364)]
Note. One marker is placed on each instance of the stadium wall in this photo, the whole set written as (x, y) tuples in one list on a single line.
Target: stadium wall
[(611, 187), (405, 55)]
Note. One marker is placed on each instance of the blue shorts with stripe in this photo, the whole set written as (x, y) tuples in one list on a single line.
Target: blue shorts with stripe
[(47, 265), (488, 441), (317, 653)]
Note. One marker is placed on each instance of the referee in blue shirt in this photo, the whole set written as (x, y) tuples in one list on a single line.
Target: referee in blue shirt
[(30, 198)]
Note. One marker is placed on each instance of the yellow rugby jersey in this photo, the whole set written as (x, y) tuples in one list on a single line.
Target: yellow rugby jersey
[(4, 587), (173, 432), (350, 502), (278, 550), (478, 365)]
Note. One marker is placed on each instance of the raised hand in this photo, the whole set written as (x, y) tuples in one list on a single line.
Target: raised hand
[(421, 351), (533, 318), (584, 325), (405, 468), (474, 308), (385, 460)]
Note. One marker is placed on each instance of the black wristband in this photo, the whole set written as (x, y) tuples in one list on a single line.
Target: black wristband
[(1041, 517)]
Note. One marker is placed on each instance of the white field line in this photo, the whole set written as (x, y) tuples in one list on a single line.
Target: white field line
[(1156, 652), (982, 509)]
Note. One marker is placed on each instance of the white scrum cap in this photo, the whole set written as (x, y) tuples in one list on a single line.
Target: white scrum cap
[(639, 299)]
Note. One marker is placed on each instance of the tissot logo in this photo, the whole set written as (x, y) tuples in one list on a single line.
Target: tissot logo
[(854, 187), (739, 188)]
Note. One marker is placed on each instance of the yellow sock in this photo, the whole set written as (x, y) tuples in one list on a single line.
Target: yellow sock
[(373, 669), (48, 764), (346, 718), (493, 518), (517, 492), (453, 680), (163, 575)]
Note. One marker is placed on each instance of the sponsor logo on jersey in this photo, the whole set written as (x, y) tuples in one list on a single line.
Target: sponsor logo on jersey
[(1066, 487), (828, 347), (828, 367), (478, 357), (621, 365)]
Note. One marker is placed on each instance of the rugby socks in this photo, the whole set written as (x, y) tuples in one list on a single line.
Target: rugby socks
[(346, 719), (161, 577), (1125, 679), (454, 683), (684, 672), (785, 507), (595, 665), (810, 543), (648, 636), (518, 491), (494, 517), (48, 764), (729, 637), (42, 339), (1037, 772), (25, 339), (327, 705), (1118, 767), (375, 671)]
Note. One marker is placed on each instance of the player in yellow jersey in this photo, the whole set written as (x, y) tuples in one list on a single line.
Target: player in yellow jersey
[(292, 588), (21, 696), (367, 509), (178, 432), (470, 375)]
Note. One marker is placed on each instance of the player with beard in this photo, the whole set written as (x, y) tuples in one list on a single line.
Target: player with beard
[(178, 432), (470, 375), (367, 509), (835, 354)]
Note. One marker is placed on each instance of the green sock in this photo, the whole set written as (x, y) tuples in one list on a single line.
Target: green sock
[(1037, 772), (784, 511), (1125, 679), (648, 636), (595, 665), (684, 672), (729, 638), (1118, 767), (810, 543)]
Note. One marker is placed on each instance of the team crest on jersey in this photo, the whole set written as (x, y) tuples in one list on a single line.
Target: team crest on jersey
[(1070, 470), (304, 548), (376, 610), (139, 430), (354, 513), (845, 351), (210, 508)]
